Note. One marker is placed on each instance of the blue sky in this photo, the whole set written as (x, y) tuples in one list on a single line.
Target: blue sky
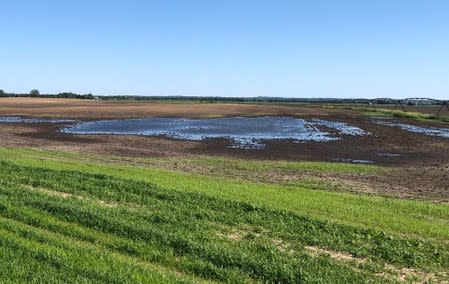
[(362, 49)]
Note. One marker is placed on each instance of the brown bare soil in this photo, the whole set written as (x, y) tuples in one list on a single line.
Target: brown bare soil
[(421, 170), (97, 109)]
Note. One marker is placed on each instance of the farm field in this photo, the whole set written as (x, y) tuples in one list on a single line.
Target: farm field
[(132, 208)]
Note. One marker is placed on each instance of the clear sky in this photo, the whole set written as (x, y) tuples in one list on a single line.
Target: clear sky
[(366, 49)]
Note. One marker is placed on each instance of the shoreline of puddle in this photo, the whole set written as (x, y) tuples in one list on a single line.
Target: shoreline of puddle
[(243, 132)]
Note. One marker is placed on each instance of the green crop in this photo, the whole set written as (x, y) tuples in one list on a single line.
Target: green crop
[(410, 217), (103, 228), (63, 219)]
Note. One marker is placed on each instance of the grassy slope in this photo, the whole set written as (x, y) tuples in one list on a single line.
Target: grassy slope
[(80, 227), (379, 111), (400, 217)]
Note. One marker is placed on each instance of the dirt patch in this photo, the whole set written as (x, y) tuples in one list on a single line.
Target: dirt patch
[(334, 254), (235, 236), (69, 195), (283, 246), (410, 275), (391, 272)]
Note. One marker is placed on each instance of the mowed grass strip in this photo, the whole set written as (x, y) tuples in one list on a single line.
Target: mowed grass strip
[(68, 219), (401, 217)]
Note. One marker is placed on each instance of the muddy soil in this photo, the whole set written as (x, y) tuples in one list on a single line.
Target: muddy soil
[(419, 164)]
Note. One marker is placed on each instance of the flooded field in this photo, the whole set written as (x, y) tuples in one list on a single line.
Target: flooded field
[(18, 119), (293, 133), (427, 130), (242, 131)]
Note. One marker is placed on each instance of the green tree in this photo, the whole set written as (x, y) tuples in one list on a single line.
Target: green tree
[(34, 93), (2, 93)]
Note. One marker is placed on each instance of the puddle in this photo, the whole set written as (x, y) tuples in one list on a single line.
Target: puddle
[(341, 127), (388, 155), (248, 144), (430, 131), (354, 161), (244, 132), (18, 119)]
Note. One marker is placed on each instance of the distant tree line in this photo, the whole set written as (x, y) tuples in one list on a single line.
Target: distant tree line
[(34, 93), (409, 101), (233, 99), (270, 100)]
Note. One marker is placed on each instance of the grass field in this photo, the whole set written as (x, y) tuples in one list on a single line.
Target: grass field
[(412, 115), (76, 218)]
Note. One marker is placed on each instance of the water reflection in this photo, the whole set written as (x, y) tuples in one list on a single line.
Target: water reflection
[(244, 132)]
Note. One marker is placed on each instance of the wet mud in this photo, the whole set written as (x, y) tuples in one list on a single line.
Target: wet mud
[(418, 163)]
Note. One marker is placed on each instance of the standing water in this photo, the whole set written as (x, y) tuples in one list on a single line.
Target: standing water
[(248, 133)]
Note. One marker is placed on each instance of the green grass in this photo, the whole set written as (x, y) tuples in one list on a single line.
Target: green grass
[(418, 116), (79, 227), (217, 163), (235, 164), (71, 218), (409, 217)]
